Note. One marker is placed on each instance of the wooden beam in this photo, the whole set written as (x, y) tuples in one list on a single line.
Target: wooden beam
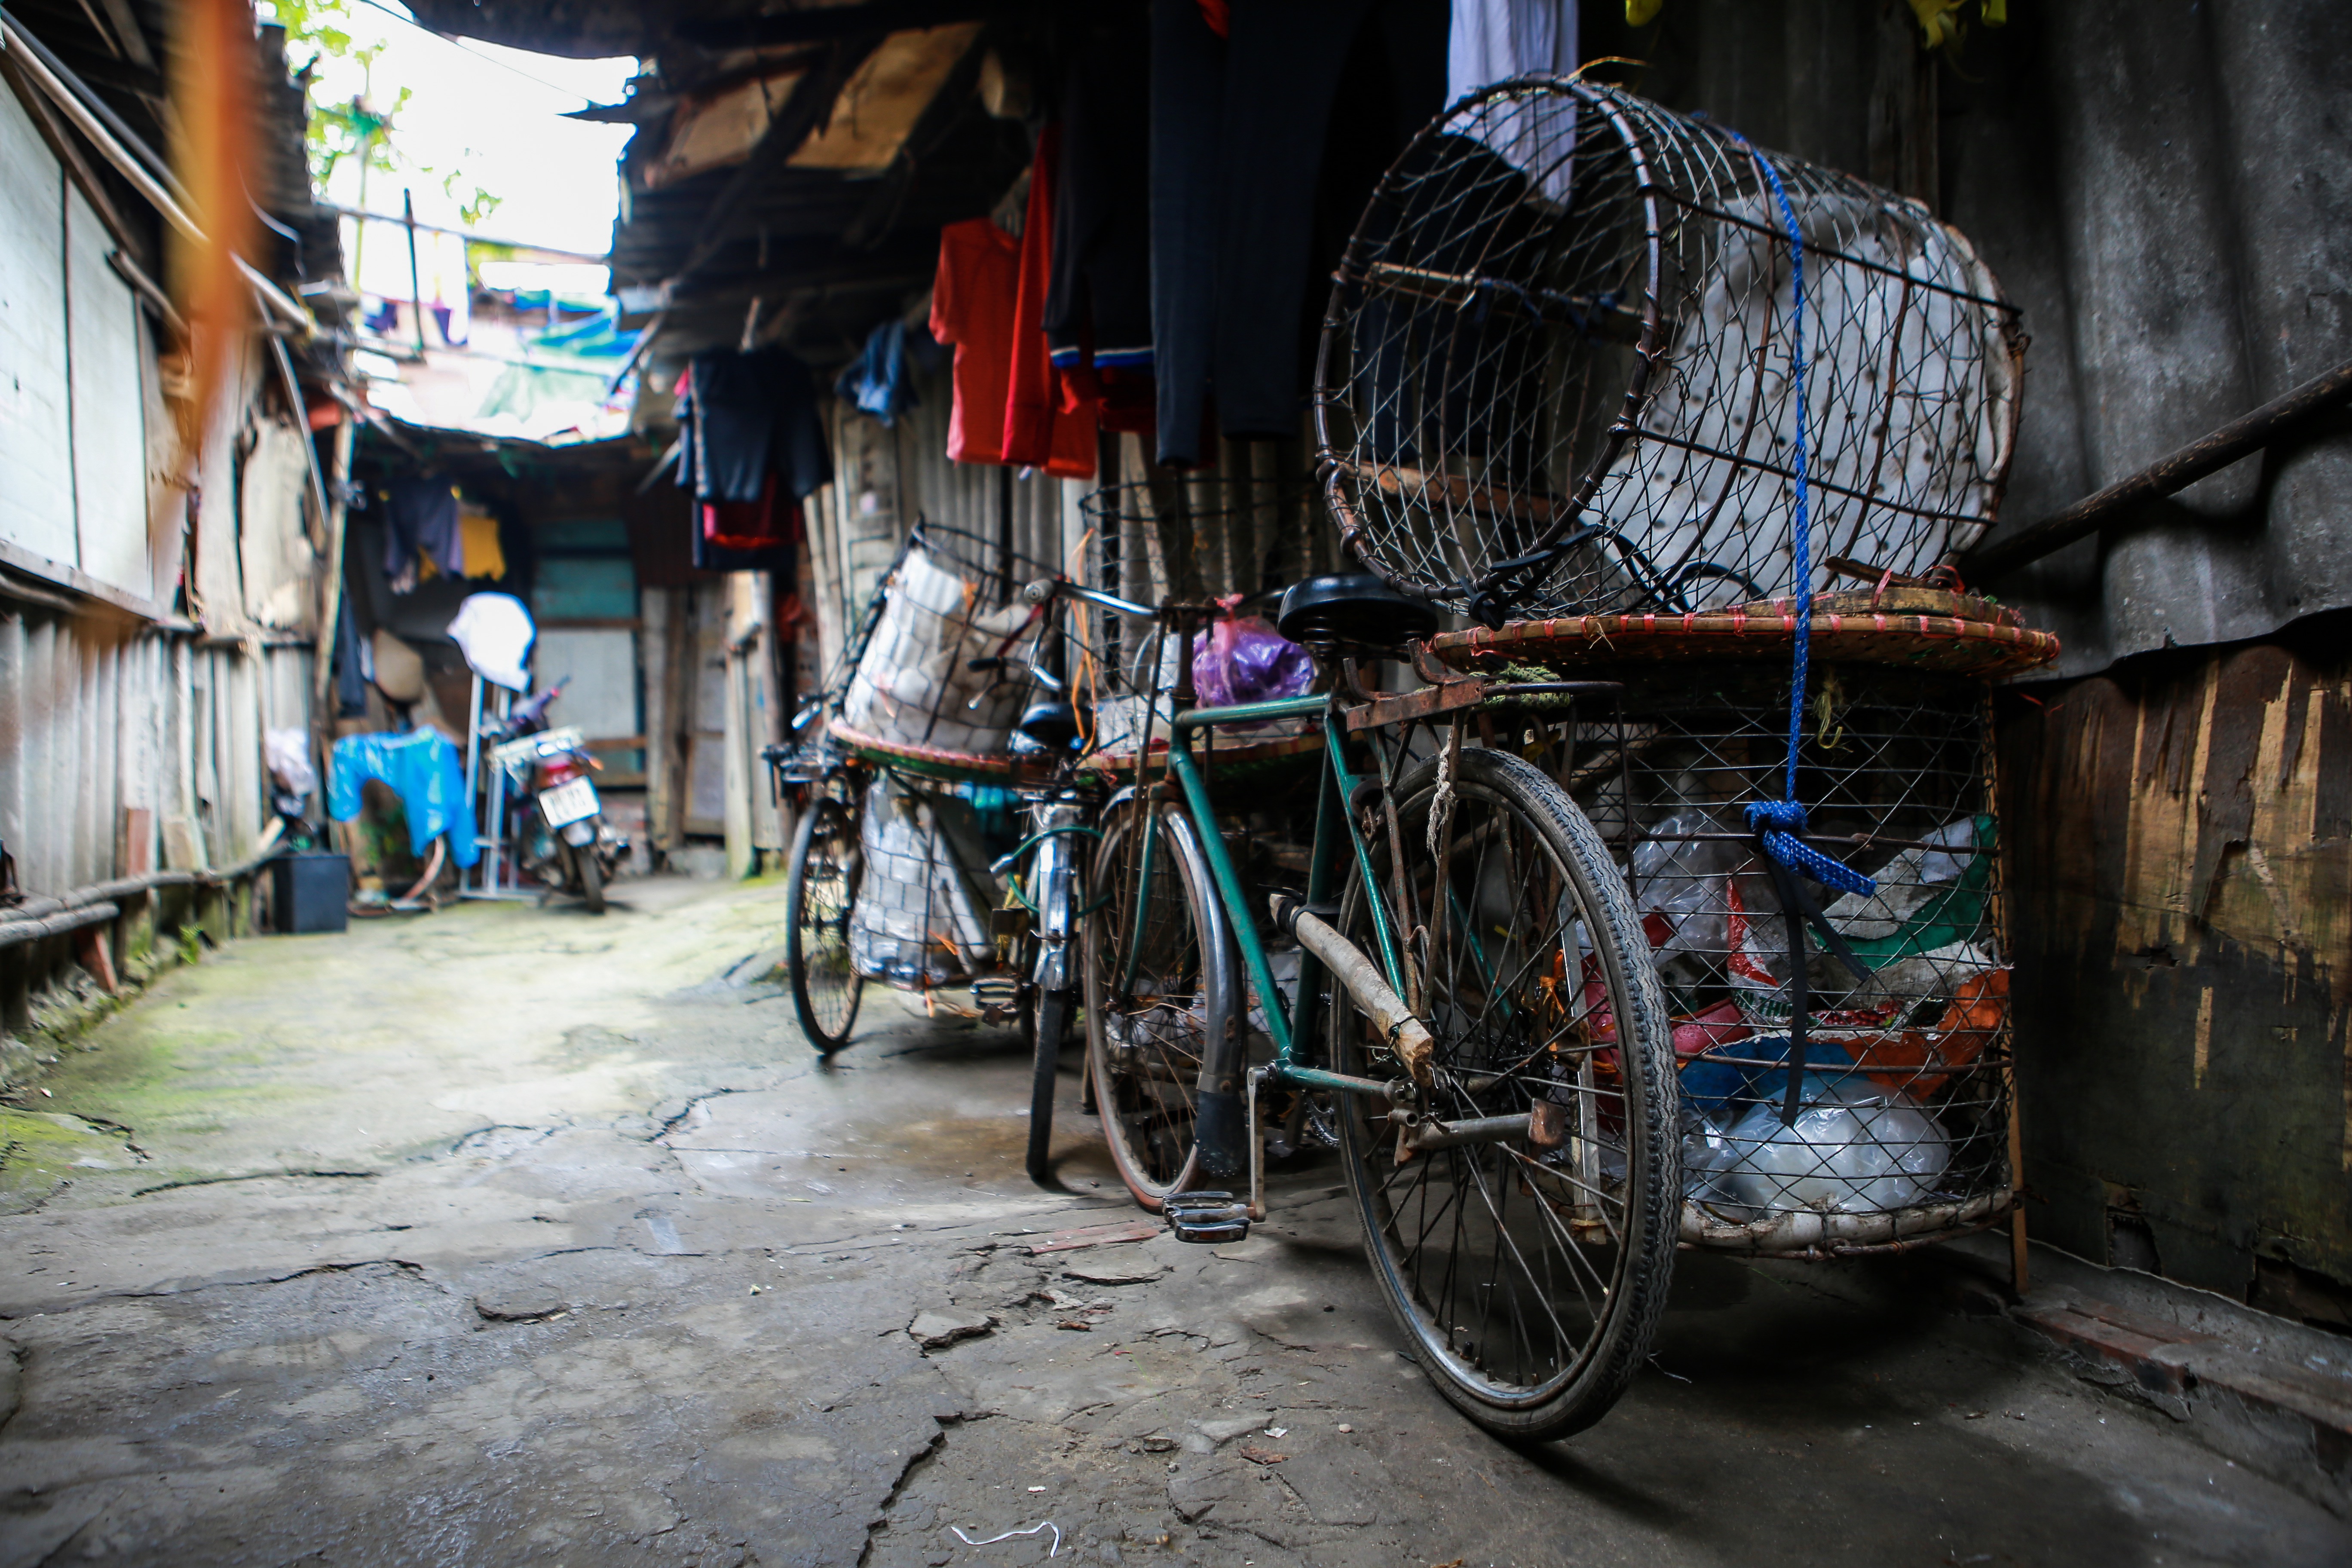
[(828, 23), (811, 102)]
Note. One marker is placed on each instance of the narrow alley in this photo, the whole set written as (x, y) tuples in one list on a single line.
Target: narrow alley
[(512, 1236)]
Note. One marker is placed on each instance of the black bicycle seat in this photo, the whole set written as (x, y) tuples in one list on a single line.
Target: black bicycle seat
[(1052, 725), (1353, 609)]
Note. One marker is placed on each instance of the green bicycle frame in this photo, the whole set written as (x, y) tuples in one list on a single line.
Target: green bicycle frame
[(1335, 834)]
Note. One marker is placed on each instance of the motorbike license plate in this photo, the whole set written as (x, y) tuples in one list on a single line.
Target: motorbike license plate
[(568, 802)]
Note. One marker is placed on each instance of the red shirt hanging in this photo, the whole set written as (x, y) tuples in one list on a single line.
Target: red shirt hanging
[(972, 302), (1039, 429)]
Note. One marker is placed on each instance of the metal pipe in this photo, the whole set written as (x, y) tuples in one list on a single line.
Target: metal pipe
[(2167, 476), (1251, 712), (14, 933), (1422, 1134), (415, 287), (1394, 1090), (1357, 975)]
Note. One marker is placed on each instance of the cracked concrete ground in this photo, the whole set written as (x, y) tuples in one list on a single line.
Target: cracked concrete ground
[(507, 1236)]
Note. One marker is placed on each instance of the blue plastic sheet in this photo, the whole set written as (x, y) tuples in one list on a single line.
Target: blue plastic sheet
[(422, 767)]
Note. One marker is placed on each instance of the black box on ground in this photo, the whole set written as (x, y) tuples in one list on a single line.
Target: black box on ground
[(311, 890)]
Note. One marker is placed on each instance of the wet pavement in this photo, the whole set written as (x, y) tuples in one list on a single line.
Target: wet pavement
[(510, 1236)]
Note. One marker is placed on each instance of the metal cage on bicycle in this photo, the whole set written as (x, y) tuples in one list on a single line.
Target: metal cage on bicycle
[(928, 693), (1903, 1120), (1559, 373)]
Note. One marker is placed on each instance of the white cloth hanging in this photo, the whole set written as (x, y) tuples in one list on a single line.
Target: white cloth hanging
[(495, 634), (1495, 40)]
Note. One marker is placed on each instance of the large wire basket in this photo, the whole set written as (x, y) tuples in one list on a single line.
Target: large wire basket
[(1901, 1131), (914, 700), (1556, 373), (922, 918)]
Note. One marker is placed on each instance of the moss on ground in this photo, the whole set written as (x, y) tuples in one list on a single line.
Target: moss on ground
[(40, 1150)]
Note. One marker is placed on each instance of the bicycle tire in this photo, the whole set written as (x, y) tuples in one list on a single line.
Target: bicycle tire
[(1052, 1026), (1532, 1317), (1147, 1032), (821, 889)]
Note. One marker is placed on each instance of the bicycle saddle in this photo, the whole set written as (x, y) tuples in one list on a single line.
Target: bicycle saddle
[(1052, 725), (1352, 609)]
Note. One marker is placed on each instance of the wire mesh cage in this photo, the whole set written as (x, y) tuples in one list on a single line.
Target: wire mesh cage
[(1901, 1116), (921, 918), (1238, 541), (1558, 374), (952, 598)]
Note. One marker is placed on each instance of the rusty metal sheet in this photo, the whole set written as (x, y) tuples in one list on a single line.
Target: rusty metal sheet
[(1396, 707)]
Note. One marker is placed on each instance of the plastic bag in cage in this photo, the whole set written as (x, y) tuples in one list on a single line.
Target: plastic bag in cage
[(1244, 659), (921, 915), (1854, 1148), (915, 687)]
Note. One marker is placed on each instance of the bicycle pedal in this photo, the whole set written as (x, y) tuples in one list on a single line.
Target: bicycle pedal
[(1206, 1219), (996, 994)]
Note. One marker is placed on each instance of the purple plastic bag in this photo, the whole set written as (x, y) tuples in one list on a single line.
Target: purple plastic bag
[(1246, 660)]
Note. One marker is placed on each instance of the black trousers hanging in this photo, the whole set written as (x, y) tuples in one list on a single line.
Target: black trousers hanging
[(1238, 134)]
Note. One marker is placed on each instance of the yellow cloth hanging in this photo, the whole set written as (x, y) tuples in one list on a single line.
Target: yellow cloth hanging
[(478, 535)]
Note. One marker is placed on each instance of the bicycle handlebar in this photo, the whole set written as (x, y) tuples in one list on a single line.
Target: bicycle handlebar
[(1045, 590)]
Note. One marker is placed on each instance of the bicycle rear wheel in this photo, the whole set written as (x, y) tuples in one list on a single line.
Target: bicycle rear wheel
[(1530, 1273), (1160, 986), (821, 889)]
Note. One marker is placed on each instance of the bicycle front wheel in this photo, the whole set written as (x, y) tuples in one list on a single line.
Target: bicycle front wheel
[(1159, 986), (1528, 1273), (821, 889)]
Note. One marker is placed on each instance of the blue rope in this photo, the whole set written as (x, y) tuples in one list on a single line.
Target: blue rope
[(1778, 822)]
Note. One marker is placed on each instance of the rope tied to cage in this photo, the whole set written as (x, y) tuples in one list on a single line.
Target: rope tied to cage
[(1780, 824)]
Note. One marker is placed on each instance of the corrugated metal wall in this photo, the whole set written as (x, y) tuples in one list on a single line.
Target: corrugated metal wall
[(104, 716), (1248, 524)]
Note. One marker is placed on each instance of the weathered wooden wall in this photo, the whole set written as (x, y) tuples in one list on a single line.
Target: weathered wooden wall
[(2181, 857)]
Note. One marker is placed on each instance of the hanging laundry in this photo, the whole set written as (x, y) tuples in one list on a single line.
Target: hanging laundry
[(354, 664), (1040, 432), (880, 380), (751, 448), (973, 294), (478, 539), (494, 631), (768, 523), (422, 767), (1239, 129), (1099, 310), (752, 412), (420, 517), (1495, 40)]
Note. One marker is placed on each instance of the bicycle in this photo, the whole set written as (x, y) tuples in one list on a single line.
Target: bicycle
[(1009, 948), (1497, 1051)]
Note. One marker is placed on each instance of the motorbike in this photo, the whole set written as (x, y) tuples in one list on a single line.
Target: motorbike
[(565, 841)]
